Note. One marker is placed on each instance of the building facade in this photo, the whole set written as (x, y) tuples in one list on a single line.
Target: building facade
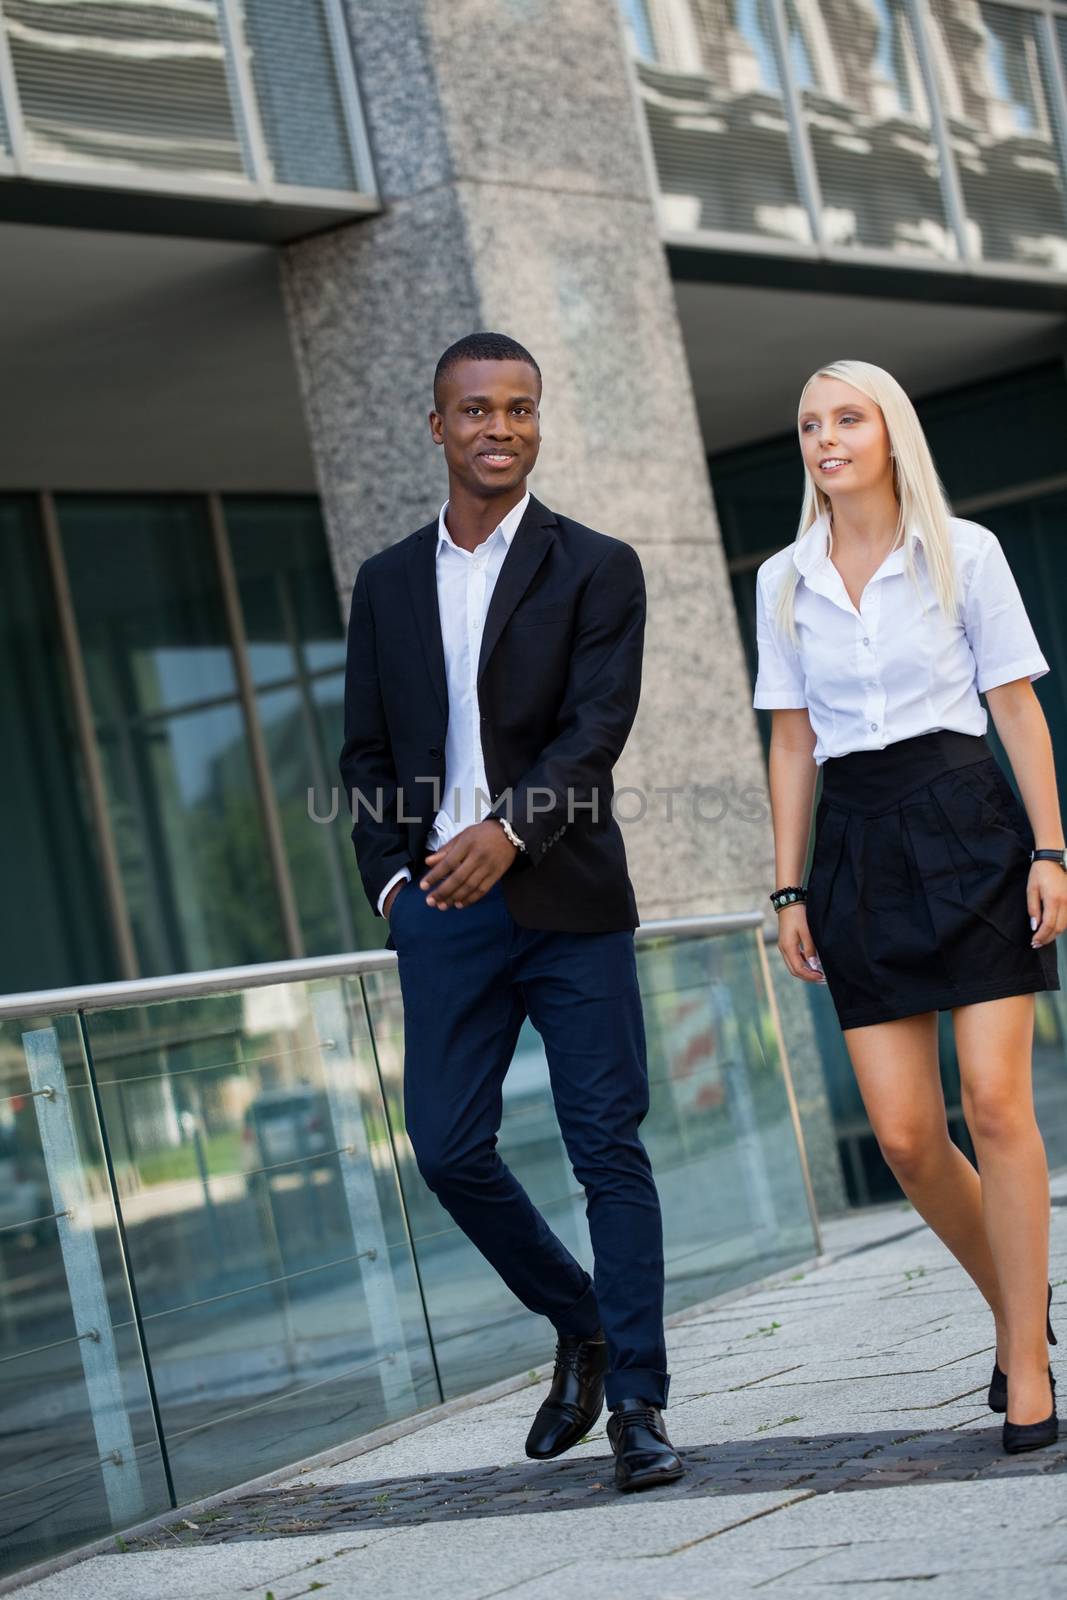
[(234, 237)]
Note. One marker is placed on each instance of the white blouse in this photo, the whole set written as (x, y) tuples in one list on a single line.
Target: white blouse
[(887, 672)]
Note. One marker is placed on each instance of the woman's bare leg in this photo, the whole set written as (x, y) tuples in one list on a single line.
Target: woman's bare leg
[(896, 1067), (994, 1042)]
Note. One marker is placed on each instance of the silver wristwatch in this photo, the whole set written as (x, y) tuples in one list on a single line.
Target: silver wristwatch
[(510, 831)]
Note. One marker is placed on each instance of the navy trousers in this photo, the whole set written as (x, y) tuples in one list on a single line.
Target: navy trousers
[(469, 976)]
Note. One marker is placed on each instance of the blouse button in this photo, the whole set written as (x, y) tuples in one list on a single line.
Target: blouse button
[(874, 727), (866, 641)]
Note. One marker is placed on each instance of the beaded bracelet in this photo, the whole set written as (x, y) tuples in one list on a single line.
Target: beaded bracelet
[(794, 893)]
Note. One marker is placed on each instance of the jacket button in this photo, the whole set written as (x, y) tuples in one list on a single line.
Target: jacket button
[(434, 750)]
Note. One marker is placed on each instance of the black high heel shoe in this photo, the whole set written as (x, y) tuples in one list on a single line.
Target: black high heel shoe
[(1019, 1436), (998, 1383)]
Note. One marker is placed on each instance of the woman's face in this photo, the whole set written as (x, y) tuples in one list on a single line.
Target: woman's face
[(843, 437)]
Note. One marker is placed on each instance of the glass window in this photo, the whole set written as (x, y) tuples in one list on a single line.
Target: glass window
[(869, 126), (717, 120), (995, 86), (296, 647), (173, 744), (56, 930), (142, 84), (635, 13), (298, 93)]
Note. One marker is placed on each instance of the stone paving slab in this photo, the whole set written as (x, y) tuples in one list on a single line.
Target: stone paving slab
[(838, 1443)]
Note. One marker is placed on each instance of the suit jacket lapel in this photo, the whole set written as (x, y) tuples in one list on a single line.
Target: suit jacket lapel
[(533, 538), (422, 590)]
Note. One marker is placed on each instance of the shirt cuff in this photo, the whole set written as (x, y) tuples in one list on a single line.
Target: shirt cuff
[(778, 700), (403, 876), (1031, 667)]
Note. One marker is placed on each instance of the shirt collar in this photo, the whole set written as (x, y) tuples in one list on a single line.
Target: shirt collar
[(810, 550), (508, 526)]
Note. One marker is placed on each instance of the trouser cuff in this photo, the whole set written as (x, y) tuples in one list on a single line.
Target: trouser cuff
[(637, 1383), (582, 1318)]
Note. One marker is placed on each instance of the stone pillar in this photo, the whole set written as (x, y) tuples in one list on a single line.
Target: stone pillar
[(516, 195)]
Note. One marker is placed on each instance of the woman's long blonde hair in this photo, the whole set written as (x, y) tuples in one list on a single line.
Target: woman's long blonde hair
[(919, 491)]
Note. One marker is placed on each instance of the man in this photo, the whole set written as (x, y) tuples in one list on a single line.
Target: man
[(499, 650)]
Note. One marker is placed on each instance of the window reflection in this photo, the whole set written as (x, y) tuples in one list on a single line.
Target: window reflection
[(184, 808), (710, 80), (994, 81), (143, 84), (48, 866), (296, 648), (182, 803), (869, 126)]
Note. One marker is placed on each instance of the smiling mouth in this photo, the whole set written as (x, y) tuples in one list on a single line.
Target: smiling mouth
[(496, 458), (834, 463)]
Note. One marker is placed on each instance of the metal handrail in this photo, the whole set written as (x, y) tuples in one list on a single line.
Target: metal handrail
[(227, 980)]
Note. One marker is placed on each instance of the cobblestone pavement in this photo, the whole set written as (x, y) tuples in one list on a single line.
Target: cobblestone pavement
[(816, 1464), (867, 1372)]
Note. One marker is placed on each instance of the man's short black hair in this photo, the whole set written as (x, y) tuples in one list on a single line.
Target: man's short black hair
[(481, 347)]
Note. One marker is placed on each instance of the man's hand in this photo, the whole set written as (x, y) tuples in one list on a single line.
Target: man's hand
[(387, 904), (467, 867)]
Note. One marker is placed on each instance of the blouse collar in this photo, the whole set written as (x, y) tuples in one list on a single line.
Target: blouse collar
[(811, 549)]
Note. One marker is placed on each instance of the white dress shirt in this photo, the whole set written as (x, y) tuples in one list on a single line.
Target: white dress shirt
[(465, 583), (886, 672)]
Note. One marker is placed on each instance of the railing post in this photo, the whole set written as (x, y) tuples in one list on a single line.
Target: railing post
[(341, 1076), (790, 1091), (85, 1277)]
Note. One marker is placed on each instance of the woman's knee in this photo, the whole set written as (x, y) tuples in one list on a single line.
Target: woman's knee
[(909, 1148), (997, 1117)]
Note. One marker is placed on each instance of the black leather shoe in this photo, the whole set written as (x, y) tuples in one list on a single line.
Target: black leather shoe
[(998, 1383), (1019, 1436), (575, 1399), (644, 1456)]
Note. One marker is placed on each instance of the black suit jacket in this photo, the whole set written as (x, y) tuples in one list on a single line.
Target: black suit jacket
[(559, 677)]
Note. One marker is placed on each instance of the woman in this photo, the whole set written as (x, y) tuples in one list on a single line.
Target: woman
[(878, 628)]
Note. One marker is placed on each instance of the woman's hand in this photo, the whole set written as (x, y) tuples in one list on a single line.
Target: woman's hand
[(1046, 901), (796, 944)]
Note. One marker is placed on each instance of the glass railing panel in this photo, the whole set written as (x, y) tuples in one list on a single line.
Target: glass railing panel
[(279, 1296), (1050, 1053), (480, 1331), (719, 1133), (79, 1452)]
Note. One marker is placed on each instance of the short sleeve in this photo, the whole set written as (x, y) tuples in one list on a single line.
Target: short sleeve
[(998, 629), (779, 676)]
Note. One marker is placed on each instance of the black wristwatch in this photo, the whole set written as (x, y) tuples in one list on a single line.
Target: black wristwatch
[(1050, 855)]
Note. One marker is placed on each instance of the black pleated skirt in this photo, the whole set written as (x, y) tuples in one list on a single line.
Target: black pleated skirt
[(917, 891)]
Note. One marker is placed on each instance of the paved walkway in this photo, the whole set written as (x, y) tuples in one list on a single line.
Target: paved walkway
[(834, 1424)]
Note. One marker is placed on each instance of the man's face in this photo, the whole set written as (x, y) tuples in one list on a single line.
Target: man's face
[(488, 424)]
